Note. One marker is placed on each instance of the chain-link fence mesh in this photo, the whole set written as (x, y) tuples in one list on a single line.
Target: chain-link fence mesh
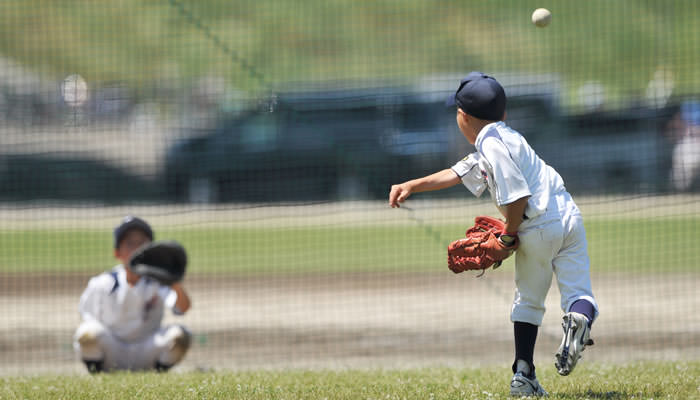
[(265, 136)]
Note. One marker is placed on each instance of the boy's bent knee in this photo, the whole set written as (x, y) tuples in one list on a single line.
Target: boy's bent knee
[(88, 340), (178, 341), (182, 340)]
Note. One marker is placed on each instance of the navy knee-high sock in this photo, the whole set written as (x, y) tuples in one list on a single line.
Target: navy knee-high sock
[(584, 307), (525, 338)]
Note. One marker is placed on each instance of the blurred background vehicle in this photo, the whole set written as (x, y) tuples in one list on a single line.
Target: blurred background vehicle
[(334, 144), (345, 144), (37, 177), (609, 152)]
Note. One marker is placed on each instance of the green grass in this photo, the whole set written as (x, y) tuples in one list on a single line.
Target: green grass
[(649, 245), (642, 245), (254, 44), (657, 380)]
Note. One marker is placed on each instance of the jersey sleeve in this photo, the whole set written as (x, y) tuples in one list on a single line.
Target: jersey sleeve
[(509, 183), (469, 171), (463, 166)]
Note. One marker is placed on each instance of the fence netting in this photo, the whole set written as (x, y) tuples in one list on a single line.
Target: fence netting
[(265, 136)]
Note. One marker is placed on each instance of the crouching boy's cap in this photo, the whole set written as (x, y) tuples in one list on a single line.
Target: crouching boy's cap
[(129, 223)]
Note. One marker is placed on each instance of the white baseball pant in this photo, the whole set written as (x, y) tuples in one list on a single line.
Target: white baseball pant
[(93, 341), (552, 243)]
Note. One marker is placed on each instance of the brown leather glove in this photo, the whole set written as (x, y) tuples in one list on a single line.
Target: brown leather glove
[(481, 248)]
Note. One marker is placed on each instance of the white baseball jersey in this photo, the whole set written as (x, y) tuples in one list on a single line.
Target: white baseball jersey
[(519, 173), (552, 237), (121, 323), (130, 313)]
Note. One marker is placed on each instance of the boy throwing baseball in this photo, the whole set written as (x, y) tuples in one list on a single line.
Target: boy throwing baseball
[(122, 312), (542, 223)]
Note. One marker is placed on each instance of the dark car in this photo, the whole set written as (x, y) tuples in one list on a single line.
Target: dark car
[(28, 177), (621, 151), (330, 145), (353, 144), (601, 152)]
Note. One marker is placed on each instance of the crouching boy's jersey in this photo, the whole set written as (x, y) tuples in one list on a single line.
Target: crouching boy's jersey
[(131, 313)]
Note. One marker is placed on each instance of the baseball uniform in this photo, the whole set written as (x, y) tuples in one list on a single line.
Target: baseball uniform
[(122, 323), (552, 237)]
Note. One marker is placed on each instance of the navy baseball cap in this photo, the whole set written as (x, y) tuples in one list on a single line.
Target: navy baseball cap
[(690, 112), (129, 223), (481, 96)]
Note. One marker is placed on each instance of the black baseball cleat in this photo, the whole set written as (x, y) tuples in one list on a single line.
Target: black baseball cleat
[(94, 366), (161, 367)]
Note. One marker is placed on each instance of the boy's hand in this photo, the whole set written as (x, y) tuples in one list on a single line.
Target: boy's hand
[(497, 249), (399, 193), (182, 302)]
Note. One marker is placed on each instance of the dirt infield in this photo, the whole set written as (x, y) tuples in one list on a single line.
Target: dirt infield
[(360, 320)]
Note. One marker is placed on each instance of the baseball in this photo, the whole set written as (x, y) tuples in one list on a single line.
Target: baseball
[(541, 17)]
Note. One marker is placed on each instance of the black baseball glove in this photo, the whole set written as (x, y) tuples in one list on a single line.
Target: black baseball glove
[(164, 261)]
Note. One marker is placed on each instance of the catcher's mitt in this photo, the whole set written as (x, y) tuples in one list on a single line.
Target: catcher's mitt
[(481, 248), (164, 261)]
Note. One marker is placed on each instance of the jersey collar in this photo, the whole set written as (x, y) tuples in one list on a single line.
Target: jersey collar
[(484, 132)]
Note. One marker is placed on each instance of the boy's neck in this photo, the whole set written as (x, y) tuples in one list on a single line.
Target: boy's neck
[(479, 125)]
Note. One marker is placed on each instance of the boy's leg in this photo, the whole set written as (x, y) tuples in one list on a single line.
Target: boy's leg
[(573, 277), (171, 344), (86, 344), (586, 308), (524, 381), (533, 277), (160, 351), (525, 335), (572, 268), (97, 347), (533, 271), (85, 341)]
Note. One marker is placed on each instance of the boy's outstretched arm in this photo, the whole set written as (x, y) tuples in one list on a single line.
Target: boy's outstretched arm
[(439, 180)]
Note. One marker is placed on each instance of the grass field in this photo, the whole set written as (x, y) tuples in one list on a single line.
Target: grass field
[(652, 245), (315, 331), (660, 380)]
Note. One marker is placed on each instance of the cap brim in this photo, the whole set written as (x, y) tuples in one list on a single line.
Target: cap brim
[(451, 101)]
